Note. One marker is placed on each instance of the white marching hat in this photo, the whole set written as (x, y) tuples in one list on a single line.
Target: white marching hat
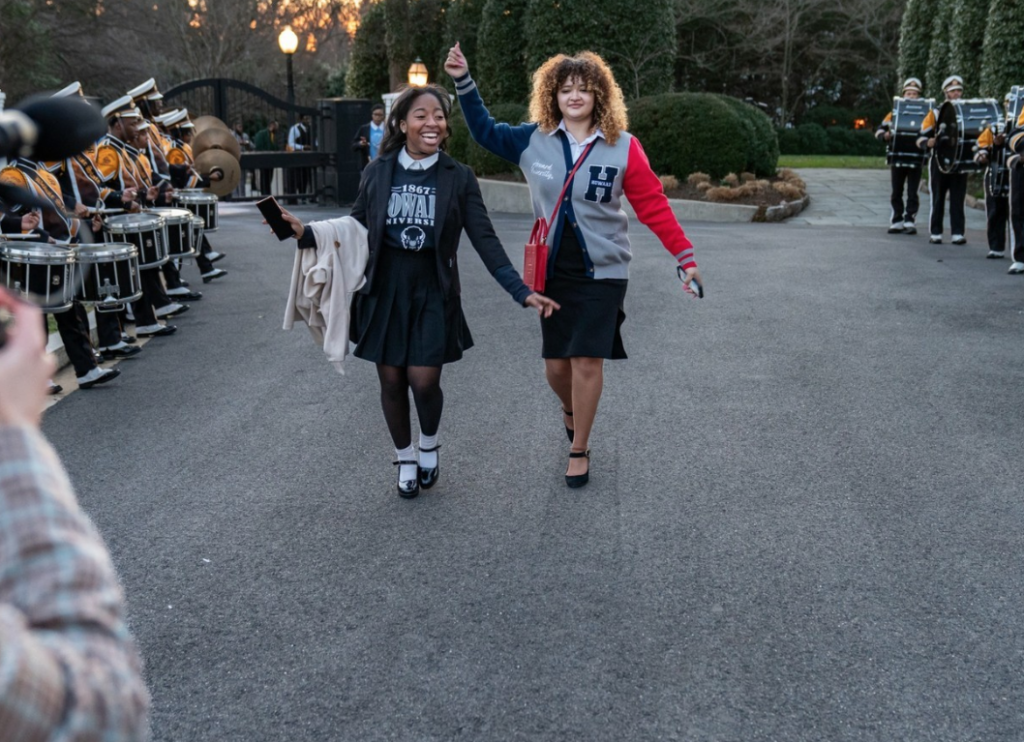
[(174, 119), (123, 107), (953, 82), (163, 118), (912, 83), (144, 90), (74, 88)]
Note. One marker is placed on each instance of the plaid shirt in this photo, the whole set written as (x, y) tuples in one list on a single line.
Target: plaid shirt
[(69, 669)]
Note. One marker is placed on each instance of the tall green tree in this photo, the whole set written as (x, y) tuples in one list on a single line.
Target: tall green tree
[(501, 67), (462, 21), (916, 39), (970, 18), (368, 68), (636, 39), (939, 55), (1003, 62)]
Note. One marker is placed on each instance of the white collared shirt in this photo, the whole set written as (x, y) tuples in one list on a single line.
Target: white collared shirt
[(407, 162), (577, 147)]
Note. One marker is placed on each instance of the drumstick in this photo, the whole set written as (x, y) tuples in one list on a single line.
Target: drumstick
[(18, 236)]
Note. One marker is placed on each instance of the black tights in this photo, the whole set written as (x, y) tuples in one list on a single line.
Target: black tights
[(425, 382)]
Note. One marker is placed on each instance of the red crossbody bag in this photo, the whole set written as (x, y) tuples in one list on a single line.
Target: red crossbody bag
[(535, 257)]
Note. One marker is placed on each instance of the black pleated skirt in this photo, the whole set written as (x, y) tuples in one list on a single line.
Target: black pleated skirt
[(405, 320), (590, 321)]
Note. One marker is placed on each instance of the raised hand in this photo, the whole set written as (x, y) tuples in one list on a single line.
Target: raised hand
[(456, 64)]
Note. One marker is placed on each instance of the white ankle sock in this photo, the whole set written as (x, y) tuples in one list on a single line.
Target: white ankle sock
[(428, 459), (406, 472)]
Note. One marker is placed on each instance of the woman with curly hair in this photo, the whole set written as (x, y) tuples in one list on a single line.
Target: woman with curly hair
[(577, 111)]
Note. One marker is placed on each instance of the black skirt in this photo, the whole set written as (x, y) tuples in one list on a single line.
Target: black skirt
[(589, 322), (405, 320)]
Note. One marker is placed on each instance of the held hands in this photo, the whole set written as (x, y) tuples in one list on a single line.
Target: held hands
[(456, 64), (25, 366), (542, 304)]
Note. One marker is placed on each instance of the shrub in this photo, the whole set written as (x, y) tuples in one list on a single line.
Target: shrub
[(704, 186), (747, 177), (462, 147), (668, 182), (683, 133), (731, 180), (813, 139), (789, 141), (367, 75), (501, 70), (788, 191), (722, 194), (762, 144), (695, 179)]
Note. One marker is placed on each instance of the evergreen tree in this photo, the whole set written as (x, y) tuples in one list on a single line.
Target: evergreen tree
[(968, 36), (1003, 62), (916, 39), (939, 57), (636, 39), (368, 67), (501, 67), (427, 37), (463, 20)]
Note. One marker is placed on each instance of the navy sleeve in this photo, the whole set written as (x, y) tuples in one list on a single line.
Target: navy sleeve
[(307, 240), (507, 142)]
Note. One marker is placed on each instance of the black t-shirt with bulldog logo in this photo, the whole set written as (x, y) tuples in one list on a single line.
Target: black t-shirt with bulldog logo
[(410, 220)]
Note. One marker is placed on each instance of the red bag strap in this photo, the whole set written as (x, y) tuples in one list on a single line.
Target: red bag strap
[(565, 187)]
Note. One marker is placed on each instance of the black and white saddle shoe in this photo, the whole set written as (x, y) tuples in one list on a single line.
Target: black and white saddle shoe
[(408, 488), (428, 476)]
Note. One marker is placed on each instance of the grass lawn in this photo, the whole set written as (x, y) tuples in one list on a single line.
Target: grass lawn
[(836, 161)]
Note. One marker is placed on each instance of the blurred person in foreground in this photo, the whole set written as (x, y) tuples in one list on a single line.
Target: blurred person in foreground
[(70, 668)]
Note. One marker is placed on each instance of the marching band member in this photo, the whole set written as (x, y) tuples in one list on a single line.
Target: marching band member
[(940, 183), (991, 151), (1016, 145), (118, 170), (57, 223), (902, 219)]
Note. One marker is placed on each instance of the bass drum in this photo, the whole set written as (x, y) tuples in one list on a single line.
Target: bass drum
[(907, 116), (959, 123)]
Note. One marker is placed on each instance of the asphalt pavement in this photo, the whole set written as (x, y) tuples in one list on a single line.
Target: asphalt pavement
[(804, 520)]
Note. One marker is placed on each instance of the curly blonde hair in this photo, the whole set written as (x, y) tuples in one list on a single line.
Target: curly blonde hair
[(609, 105)]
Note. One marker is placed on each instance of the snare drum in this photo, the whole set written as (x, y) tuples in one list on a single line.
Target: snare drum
[(42, 269), (108, 274), (200, 203), (145, 231), (177, 231), (960, 122)]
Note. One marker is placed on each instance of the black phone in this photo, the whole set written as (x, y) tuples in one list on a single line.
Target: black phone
[(692, 284), (271, 211)]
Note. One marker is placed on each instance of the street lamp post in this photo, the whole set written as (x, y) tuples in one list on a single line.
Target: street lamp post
[(289, 42)]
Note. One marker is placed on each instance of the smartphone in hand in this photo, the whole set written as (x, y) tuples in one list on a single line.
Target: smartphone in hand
[(693, 285), (271, 211)]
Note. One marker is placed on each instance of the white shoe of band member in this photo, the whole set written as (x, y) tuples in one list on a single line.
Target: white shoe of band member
[(96, 373), (148, 329), (168, 310), (909, 225), (1016, 268), (935, 239), (895, 228), (213, 255), (180, 291), (995, 254), (959, 239)]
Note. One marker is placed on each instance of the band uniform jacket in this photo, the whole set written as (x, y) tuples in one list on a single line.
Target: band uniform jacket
[(459, 206)]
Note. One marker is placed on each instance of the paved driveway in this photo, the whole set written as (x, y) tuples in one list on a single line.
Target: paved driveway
[(805, 519)]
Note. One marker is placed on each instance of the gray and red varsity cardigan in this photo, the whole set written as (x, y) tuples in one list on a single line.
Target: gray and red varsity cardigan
[(594, 210)]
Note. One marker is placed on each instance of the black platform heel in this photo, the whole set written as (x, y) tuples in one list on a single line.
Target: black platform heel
[(411, 488), (569, 431), (428, 477), (578, 480)]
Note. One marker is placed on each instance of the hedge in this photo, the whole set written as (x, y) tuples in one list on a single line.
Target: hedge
[(462, 147), (812, 139), (684, 133), (759, 135)]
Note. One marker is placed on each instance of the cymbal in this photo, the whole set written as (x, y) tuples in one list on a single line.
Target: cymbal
[(217, 160), (214, 138), (205, 122)]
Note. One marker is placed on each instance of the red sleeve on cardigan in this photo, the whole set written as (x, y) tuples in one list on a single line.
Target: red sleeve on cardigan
[(647, 197)]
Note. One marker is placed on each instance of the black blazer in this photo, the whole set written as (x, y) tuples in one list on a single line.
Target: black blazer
[(459, 206), (362, 149)]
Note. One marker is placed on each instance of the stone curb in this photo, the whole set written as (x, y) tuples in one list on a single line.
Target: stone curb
[(786, 209), (514, 198)]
